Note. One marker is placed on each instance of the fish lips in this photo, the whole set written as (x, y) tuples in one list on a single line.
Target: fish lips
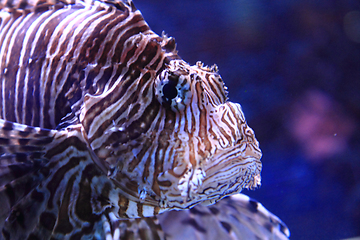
[(225, 173), (230, 170)]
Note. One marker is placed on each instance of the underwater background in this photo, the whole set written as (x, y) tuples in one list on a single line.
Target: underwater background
[(294, 66)]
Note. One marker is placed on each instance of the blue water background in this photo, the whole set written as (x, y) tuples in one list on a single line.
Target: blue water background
[(280, 60)]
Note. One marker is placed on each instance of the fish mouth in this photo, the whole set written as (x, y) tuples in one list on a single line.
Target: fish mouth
[(225, 173), (231, 170), (232, 164), (236, 164)]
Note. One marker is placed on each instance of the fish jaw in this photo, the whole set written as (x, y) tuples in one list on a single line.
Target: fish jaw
[(228, 167)]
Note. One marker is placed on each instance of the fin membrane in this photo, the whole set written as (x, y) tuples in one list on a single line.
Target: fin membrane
[(233, 218), (21, 156)]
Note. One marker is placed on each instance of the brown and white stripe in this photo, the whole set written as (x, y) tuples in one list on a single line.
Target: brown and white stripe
[(135, 130)]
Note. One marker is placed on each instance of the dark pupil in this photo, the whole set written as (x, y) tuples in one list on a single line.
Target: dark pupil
[(169, 91)]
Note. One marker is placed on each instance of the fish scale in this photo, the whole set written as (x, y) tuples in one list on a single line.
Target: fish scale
[(104, 130)]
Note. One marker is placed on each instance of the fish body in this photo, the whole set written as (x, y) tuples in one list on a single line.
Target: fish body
[(104, 127)]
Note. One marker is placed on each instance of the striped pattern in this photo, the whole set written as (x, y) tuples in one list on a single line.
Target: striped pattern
[(52, 55), (135, 130), (61, 193), (233, 218)]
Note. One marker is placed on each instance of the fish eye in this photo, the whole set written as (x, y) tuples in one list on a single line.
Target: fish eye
[(172, 89), (169, 91)]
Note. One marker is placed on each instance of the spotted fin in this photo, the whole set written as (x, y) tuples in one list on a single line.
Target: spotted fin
[(234, 218), (138, 228), (21, 150), (21, 156), (37, 197)]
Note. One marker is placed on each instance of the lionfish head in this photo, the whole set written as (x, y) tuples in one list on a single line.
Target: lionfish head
[(211, 152), (178, 141)]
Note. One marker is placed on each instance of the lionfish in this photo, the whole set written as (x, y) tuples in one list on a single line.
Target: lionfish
[(104, 129)]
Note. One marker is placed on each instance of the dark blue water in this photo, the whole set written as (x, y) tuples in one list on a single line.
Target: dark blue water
[(295, 68)]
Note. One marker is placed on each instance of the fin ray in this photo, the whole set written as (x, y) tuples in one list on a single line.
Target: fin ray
[(233, 218), (22, 149)]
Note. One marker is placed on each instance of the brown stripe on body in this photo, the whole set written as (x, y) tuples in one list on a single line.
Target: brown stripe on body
[(34, 58), (78, 57), (27, 93), (115, 59), (20, 59), (217, 86), (54, 67), (135, 129), (139, 207), (63, 224), (229, 126), (164, 137), (10, 55), (157, 155), (134, 72), (58, 176), (123, 205), (83, 207), (202, 122), (72, 141), (58, 79), (116, 93), (69, 74), (89, 49), (6, 25), (139, 156)]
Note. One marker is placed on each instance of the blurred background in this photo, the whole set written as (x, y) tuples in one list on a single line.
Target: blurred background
[(294, 66)]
